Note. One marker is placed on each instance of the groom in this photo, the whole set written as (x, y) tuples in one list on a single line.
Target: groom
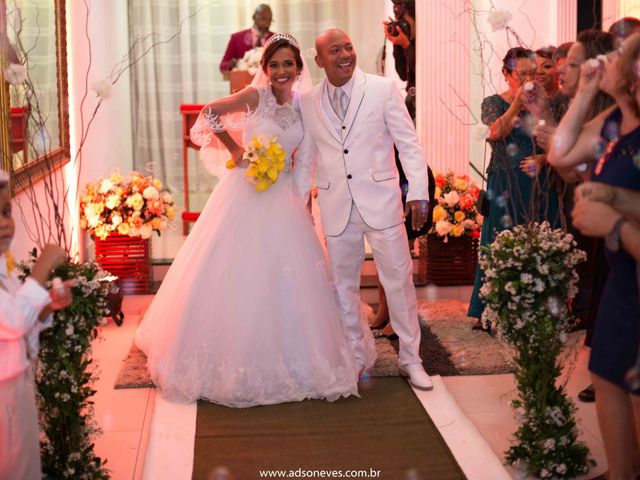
[(354, 119)]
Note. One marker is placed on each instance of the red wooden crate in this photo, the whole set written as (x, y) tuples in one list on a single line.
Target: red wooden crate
[(451, 263), (128, 258)]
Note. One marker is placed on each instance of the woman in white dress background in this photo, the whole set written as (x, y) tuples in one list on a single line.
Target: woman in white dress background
[(247, 314)]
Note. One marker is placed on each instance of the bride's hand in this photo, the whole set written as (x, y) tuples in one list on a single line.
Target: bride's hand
[(237, 157)]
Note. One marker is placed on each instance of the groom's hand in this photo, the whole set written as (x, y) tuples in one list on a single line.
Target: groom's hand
[(419, 210)]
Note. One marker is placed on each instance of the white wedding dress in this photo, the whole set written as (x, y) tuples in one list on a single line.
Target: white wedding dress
[(247, 314)]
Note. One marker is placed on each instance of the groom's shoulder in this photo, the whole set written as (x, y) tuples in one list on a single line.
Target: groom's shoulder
[(378, 80)]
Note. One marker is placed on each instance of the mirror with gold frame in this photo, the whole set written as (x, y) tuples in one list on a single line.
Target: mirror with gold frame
[(34, 93)]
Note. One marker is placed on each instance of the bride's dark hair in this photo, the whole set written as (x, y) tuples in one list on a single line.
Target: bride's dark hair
[(280, 42)]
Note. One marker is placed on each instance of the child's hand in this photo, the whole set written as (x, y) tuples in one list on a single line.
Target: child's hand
[(60, 294), (51, 256)]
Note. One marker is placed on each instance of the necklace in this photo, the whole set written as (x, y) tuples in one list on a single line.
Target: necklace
[(604, 158)]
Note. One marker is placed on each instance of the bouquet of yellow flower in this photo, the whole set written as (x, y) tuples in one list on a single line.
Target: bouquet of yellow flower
[(266, 161), (455, 213), (134, 205)]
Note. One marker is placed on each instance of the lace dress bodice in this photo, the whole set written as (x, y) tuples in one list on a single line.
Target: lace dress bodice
[(281, 121)]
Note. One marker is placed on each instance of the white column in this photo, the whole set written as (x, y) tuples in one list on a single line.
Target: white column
[(567, 21), (442, 84)]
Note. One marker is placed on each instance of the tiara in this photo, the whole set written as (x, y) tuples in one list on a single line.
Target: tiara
[(282, 36)]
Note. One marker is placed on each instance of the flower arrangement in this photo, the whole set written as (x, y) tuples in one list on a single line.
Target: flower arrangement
[(529, 279), (266, 160), (134, 205), (66, 373), (250, 62), (455, 213)]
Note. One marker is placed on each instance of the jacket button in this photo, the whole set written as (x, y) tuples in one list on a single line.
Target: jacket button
[(346, 151), (343, 127), (349, 177)]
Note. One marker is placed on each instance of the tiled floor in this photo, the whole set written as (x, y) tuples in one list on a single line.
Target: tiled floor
[(125, 415)]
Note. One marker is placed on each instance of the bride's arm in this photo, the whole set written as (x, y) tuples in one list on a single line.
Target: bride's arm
[(306, 159), (213, 120)]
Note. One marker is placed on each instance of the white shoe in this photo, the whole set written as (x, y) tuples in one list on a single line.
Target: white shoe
[(418, 378)]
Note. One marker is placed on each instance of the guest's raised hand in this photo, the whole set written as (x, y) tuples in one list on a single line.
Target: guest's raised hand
[(543, 134), (535, 100), (590, 74)]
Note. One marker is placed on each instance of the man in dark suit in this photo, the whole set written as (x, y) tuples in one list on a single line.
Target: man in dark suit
[(243, 41)]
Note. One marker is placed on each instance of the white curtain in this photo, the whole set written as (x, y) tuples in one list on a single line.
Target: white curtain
[(184, 69)]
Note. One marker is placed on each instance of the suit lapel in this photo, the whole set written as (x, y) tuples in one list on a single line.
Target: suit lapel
[(321, 112), (357, 95)]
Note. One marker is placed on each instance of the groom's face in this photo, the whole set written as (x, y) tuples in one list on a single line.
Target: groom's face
[(337, 56)]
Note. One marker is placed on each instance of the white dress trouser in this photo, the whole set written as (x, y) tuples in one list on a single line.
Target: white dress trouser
[(19, 435), (395, 270)]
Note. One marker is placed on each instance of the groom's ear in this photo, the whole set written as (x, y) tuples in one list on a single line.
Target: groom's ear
[(319, 61)]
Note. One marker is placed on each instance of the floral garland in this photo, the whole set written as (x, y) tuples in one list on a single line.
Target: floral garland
[(529, 279), (65, 376)]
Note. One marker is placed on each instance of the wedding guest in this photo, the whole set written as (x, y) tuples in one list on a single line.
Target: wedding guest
[(514, 197), (24, 312), (625, 27), (609, 144), (593, 272), (243, 41), (547, 75), (404, 55)]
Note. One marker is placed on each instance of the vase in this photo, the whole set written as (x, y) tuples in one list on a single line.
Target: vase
[(128, 258), (449, 263)]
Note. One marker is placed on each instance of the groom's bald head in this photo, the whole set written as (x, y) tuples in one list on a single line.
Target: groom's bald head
[(336, 55)]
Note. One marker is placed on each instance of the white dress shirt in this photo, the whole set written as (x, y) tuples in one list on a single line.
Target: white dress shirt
[(20, 306)]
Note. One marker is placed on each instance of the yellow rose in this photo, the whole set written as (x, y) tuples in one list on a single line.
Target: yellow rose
[(439, 213), (157, 183), (171, 212), (116, 177), (460, 184), (135, 201), (123, 229), (459, 216), (101, 232), (155, 223), (457, 230)]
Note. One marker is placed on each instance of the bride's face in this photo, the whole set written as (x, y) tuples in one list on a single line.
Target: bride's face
[(282, 69)]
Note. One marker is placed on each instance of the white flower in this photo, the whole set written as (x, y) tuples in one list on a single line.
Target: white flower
[(499, 19), (105, 185), (481, 131), (116, 220), (561, 469), (526, 278), (15, 73), (451, 198), (102, 88), (544, 473), (150, 192), (443, 227), (145, 231)]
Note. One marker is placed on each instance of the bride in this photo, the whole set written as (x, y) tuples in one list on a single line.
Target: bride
[(247, 314)]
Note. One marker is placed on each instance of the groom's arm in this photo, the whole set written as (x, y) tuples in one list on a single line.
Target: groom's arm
[(304, 170), (406, 139)]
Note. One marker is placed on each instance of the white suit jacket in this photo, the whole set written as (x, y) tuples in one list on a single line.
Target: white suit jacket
[(360, 166)]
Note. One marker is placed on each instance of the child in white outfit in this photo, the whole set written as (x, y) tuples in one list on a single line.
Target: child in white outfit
[(24, 311)]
